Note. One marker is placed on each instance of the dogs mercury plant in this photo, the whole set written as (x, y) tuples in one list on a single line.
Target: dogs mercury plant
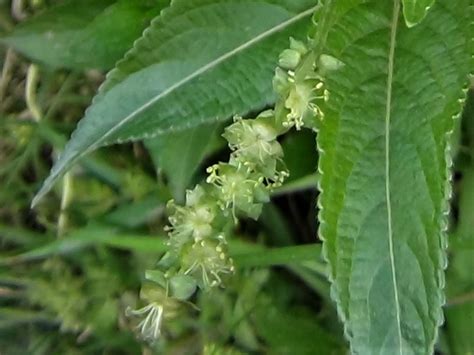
[(384, 147), (198, 254)]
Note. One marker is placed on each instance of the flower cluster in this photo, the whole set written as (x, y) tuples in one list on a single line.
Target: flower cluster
[(300, 86), (198, 256)]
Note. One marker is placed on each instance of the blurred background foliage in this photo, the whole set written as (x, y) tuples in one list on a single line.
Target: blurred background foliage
[(67, 275)]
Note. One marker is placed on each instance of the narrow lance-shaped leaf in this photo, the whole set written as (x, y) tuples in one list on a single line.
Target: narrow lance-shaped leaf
[(385, 170), (182, 72)]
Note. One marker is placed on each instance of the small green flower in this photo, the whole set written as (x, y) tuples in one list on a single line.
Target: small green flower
[(159, 307), (254, 144), (192, 221), (150, 326), (238, 189), (207, 261), (299, 103)]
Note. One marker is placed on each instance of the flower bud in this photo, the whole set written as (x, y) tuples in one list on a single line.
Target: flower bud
[(327, 63), (298, 46), (289, 59)]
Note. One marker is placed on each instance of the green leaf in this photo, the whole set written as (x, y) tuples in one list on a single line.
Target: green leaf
[(385, 168), (136, 213), (89, 237), (293, 332), (11, 317), (19, 236), (416, 10), (83, 34), (179, 153), (200, 61)]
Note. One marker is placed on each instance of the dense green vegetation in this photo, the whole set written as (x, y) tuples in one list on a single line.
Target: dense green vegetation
[(236, 177)]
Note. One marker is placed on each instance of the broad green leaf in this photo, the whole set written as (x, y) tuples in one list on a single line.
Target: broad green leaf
[(385, 169), (85, 33), (178, 154), (416, 10), (200, 61)]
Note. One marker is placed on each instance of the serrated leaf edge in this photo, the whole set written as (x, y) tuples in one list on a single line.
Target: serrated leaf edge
[(443, 239)]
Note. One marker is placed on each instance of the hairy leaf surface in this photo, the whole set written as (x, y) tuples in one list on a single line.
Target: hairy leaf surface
[(200, 61), (83, 34), (385, 169)]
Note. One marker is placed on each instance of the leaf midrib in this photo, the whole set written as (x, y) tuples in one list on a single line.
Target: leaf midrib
[(202, 70), (388, 116)]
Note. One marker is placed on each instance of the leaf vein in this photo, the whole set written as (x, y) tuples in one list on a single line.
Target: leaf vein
[(393, 36), (202, 70)]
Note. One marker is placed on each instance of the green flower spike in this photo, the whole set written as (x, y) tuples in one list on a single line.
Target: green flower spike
[(299, 83), (198, 256)]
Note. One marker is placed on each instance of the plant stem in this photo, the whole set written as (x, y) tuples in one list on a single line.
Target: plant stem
[(17, 10), (6, 72), (461, 299), (66, 198), (292, 255), (32, 79), (305, 183)]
